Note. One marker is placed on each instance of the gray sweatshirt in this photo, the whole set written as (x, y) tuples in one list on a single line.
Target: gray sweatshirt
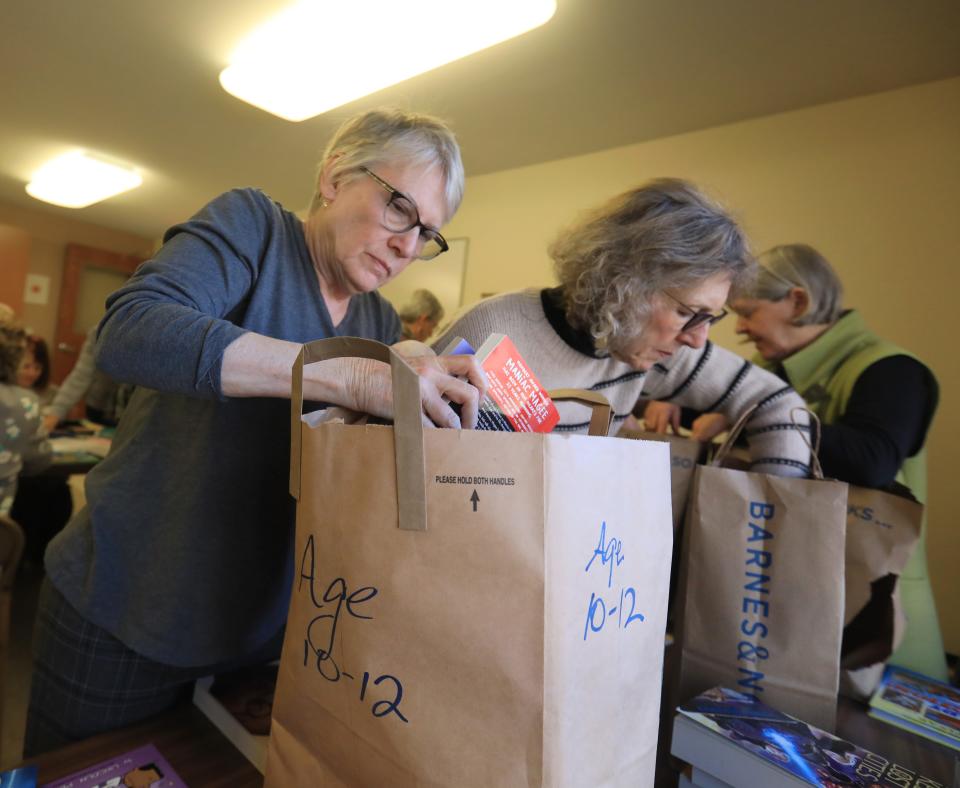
[(184, 549)]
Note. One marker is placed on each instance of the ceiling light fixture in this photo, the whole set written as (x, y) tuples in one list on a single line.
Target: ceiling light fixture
[(319, 54), (76, 180)]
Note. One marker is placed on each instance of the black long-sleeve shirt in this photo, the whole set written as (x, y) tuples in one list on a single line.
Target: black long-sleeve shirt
[(885, 421)]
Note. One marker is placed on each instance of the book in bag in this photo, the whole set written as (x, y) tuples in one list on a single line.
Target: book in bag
[(515, 401), (734, 738)]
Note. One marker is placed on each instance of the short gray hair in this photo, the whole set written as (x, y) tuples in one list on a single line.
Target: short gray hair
[(785, 267), (424, 303), (393, 135), (663, 235)]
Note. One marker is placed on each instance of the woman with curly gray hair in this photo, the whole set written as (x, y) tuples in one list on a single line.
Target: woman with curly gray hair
[(642, 279)]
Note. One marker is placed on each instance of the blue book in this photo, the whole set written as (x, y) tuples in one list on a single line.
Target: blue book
[(22, 777), (738, 740)]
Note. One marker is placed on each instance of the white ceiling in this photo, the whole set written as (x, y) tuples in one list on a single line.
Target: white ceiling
[(137, 80)]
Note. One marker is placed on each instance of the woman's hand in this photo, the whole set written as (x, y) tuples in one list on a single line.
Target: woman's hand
[(446, 379), (658, 416), (706, 427), (258, 366), (443, 379)]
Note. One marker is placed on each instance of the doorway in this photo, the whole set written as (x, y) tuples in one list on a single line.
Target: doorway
[(89, 276)]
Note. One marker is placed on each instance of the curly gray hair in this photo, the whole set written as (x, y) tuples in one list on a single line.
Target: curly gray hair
[(393, 135), (663, 235), (785, 267)]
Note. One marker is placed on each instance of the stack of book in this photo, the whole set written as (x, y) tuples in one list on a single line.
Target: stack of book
[(918, 704), (731, 739)]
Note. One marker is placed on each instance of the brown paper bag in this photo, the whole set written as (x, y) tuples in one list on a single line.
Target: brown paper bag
[(509, 632), (763, 589), (883, 528), (685, 455)]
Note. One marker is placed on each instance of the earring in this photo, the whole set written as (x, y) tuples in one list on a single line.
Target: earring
[(323, 200)]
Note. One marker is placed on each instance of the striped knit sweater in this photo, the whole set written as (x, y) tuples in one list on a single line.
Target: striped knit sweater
[(709, 380)]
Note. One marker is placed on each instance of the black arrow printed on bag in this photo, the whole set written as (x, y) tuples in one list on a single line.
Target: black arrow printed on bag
[(474, 498)]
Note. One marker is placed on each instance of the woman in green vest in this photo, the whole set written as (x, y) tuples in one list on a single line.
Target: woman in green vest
[(875, 400)]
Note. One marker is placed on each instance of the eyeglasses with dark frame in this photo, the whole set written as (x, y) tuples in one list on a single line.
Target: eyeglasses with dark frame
[(400, 215), (699, 317)]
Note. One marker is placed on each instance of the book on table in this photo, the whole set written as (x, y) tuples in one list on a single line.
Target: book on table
[(20, 777), (918, 704), (515, 401), (144, 766), (733, 739)]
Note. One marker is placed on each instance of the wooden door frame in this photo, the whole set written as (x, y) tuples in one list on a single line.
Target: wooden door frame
[(76, 258)]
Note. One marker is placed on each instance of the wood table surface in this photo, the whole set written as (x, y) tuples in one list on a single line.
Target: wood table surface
[(201, 755)]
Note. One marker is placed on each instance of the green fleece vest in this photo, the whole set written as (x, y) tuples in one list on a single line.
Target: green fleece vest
[(825, 371)]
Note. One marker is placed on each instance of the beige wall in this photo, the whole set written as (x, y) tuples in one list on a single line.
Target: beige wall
[(49, 235), (872, 182)]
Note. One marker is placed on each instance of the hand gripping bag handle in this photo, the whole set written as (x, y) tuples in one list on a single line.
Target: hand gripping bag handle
[(408, 427)]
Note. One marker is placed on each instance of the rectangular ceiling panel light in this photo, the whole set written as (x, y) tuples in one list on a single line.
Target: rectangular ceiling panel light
[(76, 180), (319, 54)]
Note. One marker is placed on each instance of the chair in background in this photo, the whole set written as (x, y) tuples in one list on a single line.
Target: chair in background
[(11, 551)]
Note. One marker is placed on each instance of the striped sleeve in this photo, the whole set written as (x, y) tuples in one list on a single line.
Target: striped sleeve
[(714, 380)]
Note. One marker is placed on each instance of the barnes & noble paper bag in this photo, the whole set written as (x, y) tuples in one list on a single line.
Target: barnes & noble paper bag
[(509, 633), (883, 529), (764, 589)]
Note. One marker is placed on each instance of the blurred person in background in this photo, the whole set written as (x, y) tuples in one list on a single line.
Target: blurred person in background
[(23, 445), (43, 503), (421, 315), (34, 370), (103, 398)]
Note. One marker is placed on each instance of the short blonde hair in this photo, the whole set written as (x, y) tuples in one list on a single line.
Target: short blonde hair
[(663, 235), (393, 135)]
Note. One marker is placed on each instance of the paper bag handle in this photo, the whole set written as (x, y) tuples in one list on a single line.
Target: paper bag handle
[(725, 448), (408, 427), (601, 414), (816, 469), (721, 454)]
